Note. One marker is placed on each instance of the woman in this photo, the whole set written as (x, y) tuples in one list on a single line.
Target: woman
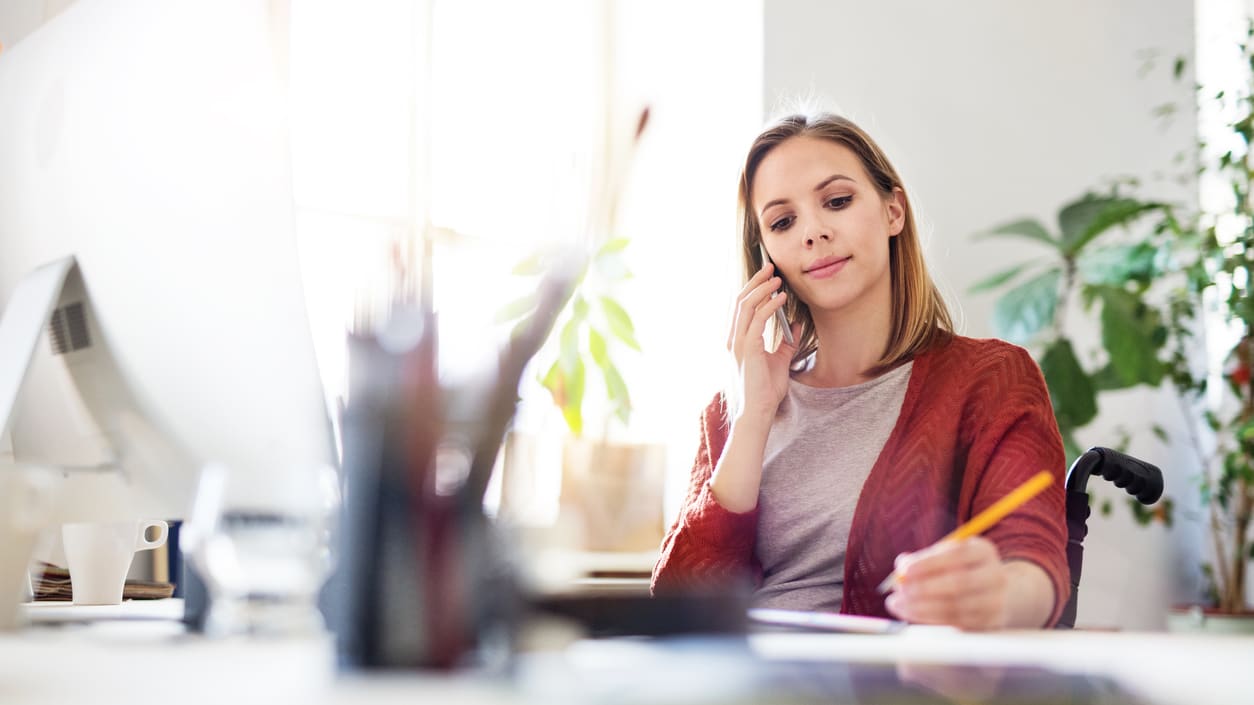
[(835, 460)]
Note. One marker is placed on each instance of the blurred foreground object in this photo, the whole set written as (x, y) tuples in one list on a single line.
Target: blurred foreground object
[(423, 581)]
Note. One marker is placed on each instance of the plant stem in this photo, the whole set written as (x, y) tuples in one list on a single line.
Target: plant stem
[(1068, 283), (1195, 439), (1235, 598), (1240, 557), (1223, 579)]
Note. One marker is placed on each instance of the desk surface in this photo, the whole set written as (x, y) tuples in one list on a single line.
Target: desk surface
[(132, 661)]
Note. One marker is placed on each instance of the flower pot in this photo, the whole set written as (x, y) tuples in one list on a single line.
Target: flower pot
[(614, 490), (1195, 618)]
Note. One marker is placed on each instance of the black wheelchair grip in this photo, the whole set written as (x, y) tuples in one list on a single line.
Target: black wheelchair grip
[(1139, 478)]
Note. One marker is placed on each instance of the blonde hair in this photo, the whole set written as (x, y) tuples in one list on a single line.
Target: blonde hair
[(920, 318)]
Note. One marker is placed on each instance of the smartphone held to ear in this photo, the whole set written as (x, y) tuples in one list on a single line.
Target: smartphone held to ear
[(779, 312)]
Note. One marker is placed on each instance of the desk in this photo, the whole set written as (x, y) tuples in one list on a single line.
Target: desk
[(137, 661)]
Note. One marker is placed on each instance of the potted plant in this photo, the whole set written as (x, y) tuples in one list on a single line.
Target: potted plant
[(1086, 257), (612, 488), (1184, 270), (1210, 252)]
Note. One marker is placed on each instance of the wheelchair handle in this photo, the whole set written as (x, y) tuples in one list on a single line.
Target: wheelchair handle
[(1138, 478)]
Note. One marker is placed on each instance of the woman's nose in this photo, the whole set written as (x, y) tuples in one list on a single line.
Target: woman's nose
[(817, 231)]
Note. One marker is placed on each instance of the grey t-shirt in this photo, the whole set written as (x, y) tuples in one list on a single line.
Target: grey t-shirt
[(820, 450)]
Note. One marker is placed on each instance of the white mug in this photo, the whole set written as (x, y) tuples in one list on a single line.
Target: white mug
[(99, 555)]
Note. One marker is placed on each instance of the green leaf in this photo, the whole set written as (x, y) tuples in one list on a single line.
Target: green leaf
[(569, 355), (531, 266), (998, 279), (1178, 69), (580, 308), (1212, 420), (1023, 311), (1071, 449), (620, 323), (567, 388), (1141, 513), (1118, 265), (1070, 389), (1130, 335), (1245, 432), (1105, 507), (616, 390), (516, 308), (552, 381), (1028, 227), (598, 348), (572, 410), (1165, 110), (1145, 515), (615, 387), (1085, 219), (1108, 379), (617, 244), (1160, 433)]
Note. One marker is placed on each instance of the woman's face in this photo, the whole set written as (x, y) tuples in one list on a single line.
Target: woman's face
[(825, 225)]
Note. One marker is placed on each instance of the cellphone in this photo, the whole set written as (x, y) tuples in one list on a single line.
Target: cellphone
[(779, 312)]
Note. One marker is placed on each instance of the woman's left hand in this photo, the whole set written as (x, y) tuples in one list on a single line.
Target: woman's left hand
[(960, 583)]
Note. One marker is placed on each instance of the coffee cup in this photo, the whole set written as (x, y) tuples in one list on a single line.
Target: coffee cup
[(99, 555)]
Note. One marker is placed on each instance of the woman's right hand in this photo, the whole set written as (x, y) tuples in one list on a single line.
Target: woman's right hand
[(763, 374)]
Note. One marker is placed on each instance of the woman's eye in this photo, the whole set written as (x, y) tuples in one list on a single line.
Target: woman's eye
[(839, 202), (781, 224)]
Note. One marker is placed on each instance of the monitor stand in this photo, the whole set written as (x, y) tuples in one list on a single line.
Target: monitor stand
[(21, 326)]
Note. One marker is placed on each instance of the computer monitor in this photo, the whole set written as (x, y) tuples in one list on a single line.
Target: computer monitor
[(147, 140)]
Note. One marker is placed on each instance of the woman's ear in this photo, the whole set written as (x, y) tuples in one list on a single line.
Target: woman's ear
[(896, 209)]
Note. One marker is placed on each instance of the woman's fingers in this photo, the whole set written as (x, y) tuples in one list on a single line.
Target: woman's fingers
[(977, 610), (762, 275), (763, 313), (785, 350), (962, 583), (944, 556), (746, 309), (976, 613), (956, 583)]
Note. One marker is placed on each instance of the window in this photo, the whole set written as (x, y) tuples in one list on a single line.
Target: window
[(483, 119)]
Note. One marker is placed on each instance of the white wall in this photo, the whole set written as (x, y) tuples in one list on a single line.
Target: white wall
[(19, 18), (993, 111)]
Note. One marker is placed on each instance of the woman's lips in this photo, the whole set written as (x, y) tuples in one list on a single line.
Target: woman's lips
[(828, 270)]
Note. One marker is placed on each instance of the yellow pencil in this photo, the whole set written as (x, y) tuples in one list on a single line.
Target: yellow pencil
[(985, 519)]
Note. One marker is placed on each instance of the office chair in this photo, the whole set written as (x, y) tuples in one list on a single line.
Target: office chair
[(1137, 477)]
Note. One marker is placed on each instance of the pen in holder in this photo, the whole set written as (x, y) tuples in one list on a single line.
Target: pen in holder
[(423, 582)]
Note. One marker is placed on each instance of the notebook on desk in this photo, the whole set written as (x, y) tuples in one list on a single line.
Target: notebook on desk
[(823, 621)]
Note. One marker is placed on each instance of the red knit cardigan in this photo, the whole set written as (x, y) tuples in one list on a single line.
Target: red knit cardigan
[(975, 423)]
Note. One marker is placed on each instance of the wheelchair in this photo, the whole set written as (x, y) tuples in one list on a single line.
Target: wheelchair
[(1138, 478)]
